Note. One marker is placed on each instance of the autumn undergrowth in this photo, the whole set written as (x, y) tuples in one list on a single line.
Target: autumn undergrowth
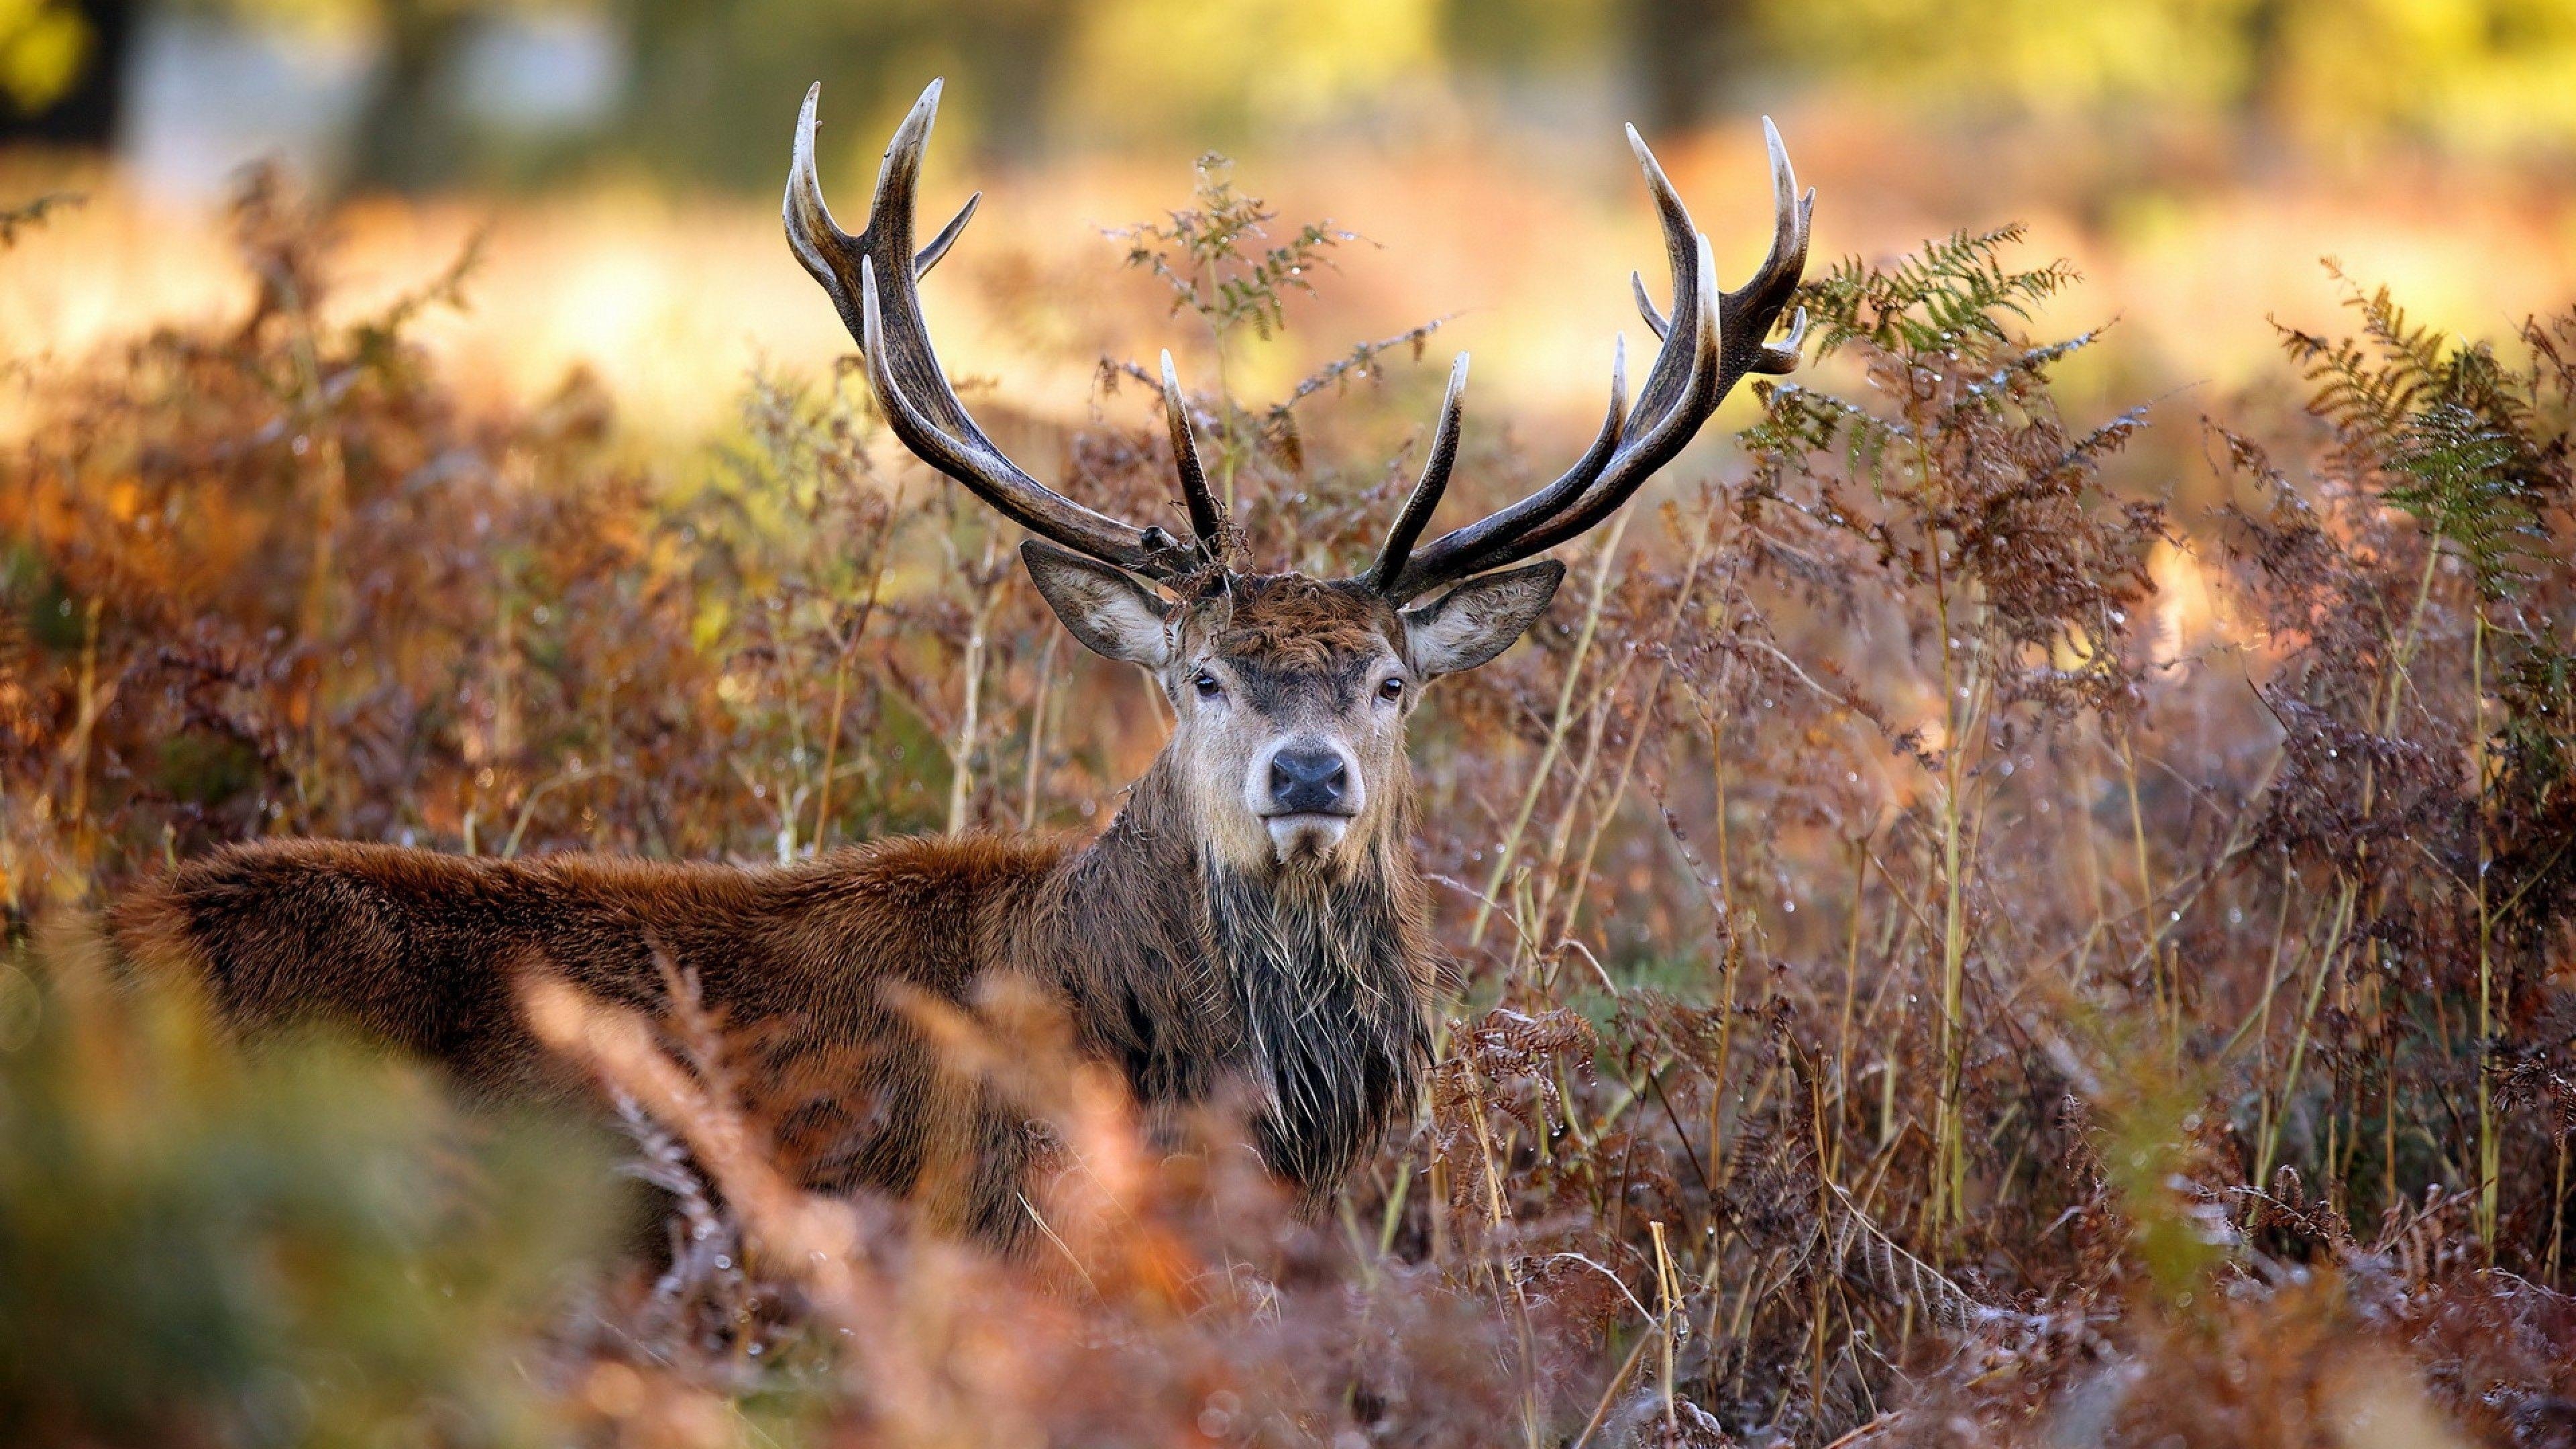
[(1951, 944)]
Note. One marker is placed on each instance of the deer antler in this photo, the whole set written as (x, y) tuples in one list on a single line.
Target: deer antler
[(873, 279), (1711, 341)]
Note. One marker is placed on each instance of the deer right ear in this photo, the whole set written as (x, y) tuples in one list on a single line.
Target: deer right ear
[(1479, 619), (1105, 607)]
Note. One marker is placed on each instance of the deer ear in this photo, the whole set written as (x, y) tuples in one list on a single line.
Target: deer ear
[(1479, 619), (1106, 608)]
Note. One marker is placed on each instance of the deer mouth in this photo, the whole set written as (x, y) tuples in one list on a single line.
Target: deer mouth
[(1305, 834)]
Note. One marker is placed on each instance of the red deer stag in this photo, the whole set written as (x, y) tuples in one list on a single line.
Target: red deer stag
[(1252, 921)]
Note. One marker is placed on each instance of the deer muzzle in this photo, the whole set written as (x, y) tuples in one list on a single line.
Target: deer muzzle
[(1306, 790)]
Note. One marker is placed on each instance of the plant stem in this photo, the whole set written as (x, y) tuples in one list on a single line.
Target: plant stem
[(2167, 995), (841, 674), (2307, 1018), (2490, 1151), (1851, 988), (1555, 733), (1552, 877), (961, 754), (1037, 733), (1949, 1158)]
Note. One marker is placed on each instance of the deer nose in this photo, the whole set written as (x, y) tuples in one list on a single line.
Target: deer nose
[(1308, 779)]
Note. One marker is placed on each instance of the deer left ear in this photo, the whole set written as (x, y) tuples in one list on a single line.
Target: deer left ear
[(1107, 610), (1479, 619)]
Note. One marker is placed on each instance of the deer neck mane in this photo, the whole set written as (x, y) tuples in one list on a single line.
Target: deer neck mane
[(1307, 989)]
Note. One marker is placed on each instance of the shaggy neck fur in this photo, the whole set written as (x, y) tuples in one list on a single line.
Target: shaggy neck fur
[(1305, 988)]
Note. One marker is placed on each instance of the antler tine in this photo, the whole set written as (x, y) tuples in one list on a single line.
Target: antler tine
[(1710, 342), (1683, 250), (1783, 355), (1778, 275), (830, 254), (1207, 520), (1646, 305), (871, 278), (1772, 283), (1402, 580), (1425, 497), (928, 257), (1704, 382)]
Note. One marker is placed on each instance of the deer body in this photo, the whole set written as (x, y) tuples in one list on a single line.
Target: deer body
[(1194, 982), (1252, 925), (1301, 992)]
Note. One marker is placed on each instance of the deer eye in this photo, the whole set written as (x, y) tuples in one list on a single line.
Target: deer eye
[(1393, 688), (1205, 683)]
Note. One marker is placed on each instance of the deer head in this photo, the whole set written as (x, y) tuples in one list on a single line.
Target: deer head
[(1292, 692)]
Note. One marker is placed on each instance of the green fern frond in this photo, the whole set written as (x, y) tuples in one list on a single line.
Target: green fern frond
[(2463, 486), (1956, 289), (1797, 422), (2536, 746), (2448, 423)]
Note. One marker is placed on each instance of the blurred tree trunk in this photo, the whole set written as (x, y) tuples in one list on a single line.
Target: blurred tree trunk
[(1016, 74), (405, 134), (1687, 56), (2265, 104)]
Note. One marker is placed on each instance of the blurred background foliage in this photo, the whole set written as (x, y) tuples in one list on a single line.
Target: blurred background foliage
[(443, 92), (2189, 156), (311, 1246)]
